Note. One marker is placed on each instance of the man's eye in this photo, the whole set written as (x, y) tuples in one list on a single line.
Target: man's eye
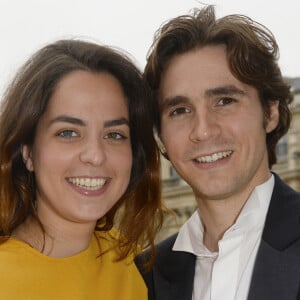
[(179, 111), (67, 134), (115, 136), (225, 101)]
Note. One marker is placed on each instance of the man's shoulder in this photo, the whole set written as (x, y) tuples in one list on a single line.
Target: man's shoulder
[(282, 227), (169, 259), (167, 244), (163, 248), (282, 189), (165, 255)]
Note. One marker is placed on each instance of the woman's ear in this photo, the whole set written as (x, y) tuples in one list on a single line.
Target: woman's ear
[(273, 118), (27, 157)]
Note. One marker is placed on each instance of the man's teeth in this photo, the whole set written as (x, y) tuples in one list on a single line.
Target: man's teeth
[(88, 183), (214, 157)]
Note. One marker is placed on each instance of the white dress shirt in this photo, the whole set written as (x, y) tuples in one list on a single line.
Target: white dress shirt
[(226, 275)]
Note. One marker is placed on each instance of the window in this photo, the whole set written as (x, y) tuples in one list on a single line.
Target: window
[(173, 173), (282, 148)]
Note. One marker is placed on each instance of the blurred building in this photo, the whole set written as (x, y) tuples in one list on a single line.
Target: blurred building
[(179, 197)]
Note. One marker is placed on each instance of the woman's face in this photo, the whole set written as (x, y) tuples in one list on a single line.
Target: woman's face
[(81, 155)]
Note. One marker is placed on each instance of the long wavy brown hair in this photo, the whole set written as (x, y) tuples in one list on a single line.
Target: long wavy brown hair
[(24, 103), (252, 54)]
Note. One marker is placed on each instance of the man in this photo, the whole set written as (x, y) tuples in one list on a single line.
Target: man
[(221, 107)]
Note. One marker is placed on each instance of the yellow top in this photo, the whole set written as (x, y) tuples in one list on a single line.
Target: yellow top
[(27, 274)]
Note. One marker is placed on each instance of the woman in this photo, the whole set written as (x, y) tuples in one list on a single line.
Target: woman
[(77, 158)]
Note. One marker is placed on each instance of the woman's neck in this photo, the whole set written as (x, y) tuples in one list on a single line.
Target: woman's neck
[(55, 240)]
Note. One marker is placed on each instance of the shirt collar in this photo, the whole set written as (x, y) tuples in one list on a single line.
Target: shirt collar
[(253, 214)]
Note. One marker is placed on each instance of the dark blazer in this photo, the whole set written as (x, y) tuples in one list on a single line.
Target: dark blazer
[(276, 273)]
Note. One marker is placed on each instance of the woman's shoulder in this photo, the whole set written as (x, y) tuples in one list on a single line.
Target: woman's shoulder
[(110, 242), (107, 240), (111, 236), (14, 244)]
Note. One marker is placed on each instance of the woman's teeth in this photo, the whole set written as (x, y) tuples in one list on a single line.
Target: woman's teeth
[(88, 183)]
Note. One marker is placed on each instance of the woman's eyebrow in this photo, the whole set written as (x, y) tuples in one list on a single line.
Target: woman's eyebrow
[(68, 119), (116, 122), (77, 121)]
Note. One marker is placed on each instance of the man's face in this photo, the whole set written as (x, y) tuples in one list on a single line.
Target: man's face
[(213, 125)]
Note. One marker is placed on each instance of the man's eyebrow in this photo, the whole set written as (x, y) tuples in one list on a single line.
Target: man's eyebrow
[(171, 102), (68, 119), (224, 90), (228, 90), (116, 122)]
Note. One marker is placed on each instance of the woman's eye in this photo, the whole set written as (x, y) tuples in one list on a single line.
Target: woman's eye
[(67, 134), (179, 111), (115, 136)]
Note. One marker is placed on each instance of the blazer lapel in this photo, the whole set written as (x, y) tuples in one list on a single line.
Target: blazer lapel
[(276, 274), (174, 276)]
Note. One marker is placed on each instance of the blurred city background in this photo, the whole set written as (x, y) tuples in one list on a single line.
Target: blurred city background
[(25, 26)]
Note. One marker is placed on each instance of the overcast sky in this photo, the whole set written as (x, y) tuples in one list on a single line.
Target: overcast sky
[(27, 25)]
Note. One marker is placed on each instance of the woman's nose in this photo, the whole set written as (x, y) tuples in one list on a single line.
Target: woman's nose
[(93, 152)]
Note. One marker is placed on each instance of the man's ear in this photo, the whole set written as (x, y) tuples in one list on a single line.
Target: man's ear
[(161, 146), (273, 119), (27, 157)]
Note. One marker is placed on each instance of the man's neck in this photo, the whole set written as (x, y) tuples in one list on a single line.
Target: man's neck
[(217, 217)]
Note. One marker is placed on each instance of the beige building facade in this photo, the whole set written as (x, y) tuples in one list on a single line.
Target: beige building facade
[(178, 196)]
